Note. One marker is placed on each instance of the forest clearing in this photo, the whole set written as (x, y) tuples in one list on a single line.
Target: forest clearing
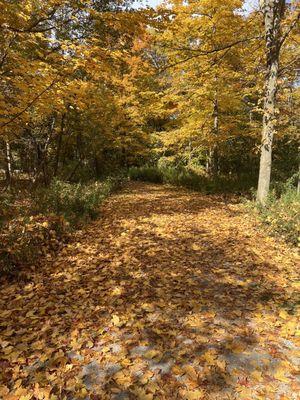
[(149, 199)]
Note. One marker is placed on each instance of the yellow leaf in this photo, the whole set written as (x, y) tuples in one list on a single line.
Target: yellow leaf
[(152, 387), (151, 354), (197, 394), (257, 375), (280, 376), (190, 371), (283, 314), (123, 379), (117, 291), (177, 370), (210, 356), (221, 364), (142, 395), (4, 391), (116, 320), (148, 307), (18, 383)]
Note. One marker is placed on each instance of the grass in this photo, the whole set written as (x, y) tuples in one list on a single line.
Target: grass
[(190, 178)]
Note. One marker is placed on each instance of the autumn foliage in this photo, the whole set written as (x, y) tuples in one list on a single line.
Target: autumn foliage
[(137, 259)]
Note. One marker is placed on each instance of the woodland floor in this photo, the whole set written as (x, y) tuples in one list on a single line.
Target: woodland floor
[(169, 295)]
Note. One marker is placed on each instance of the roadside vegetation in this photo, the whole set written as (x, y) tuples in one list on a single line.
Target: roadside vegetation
[(43, 219), (280, 215)]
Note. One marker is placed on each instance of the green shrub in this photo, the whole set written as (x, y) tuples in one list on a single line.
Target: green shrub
[(6, 208), (147, 174), (281, 215), (24, 239), (75, 201), (189, 178)]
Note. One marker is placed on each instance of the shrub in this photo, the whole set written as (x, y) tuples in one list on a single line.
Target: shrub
[(189, 178), (75, 201), (6, 209), (147, 174), (281, 215), (24, 239)]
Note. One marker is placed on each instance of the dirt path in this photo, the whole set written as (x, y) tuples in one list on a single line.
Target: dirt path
[(170, 295)]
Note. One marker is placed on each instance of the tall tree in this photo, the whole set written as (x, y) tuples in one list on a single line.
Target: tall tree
[(273, 11)]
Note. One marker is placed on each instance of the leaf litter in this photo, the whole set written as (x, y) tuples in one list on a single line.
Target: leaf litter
[(169, 295)]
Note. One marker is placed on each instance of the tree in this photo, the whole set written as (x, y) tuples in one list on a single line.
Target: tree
[(204, 50), (273, 14), (273, 11)]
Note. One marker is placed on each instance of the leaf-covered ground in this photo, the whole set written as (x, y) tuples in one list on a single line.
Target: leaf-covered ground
[(170, 295)]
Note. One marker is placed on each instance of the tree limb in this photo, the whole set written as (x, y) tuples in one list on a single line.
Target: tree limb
[(29, 104)]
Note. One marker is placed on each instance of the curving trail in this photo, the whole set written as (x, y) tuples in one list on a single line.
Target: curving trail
[(169, 295)]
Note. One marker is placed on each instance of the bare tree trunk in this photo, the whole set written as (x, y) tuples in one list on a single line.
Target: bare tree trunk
[(8, 166), (273, 11), (59, 144), (213, 151), (298, 184)]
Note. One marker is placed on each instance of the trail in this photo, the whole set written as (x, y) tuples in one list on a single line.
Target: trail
[(169, 295)]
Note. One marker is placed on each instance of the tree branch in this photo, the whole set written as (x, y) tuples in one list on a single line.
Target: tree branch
[(29, 104), (208, 52), (290, 28)]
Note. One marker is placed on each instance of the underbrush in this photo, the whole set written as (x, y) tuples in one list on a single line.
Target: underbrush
[(38, 230), (77, 202), (281, 215), (189, 178)]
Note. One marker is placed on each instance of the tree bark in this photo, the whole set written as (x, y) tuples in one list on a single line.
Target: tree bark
[(8, 165), (59, 144), (212, 164), (273, 11), (298, 181)]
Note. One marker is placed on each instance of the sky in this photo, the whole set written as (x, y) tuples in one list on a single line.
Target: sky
[(250, 4)]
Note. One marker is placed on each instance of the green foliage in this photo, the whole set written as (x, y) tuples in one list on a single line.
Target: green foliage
[(282, 213), (190, 178), (26, 238), (146, 174), (77, 202)]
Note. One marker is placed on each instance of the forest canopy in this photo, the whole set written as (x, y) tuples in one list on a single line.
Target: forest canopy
[(90, 86), (149, 199)]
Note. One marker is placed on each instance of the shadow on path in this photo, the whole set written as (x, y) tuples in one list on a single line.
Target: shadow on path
[(170, 295)]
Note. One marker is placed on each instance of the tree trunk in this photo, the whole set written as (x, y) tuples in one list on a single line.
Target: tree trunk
[(59, 144), (212, 161), (298, 183), (8, 165), (273, 12)]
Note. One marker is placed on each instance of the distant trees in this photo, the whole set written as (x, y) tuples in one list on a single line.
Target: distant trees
[(221, 74)]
